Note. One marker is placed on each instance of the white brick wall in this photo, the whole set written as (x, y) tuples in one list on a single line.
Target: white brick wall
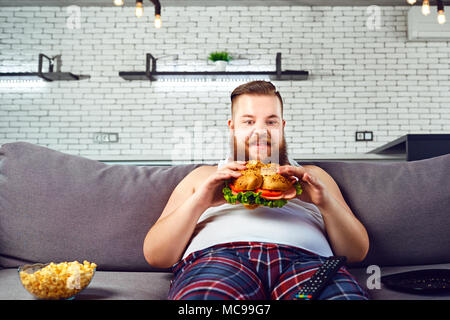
[(361, 79)]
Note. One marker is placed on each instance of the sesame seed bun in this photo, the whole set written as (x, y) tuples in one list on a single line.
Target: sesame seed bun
[(249, 180), (260, 175), (268, 188)]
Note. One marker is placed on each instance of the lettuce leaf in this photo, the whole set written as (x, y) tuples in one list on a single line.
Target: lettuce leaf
[(298, 188)]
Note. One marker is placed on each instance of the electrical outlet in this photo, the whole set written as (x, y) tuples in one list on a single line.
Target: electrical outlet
[(364, 136), (106, 137), (359, 136)]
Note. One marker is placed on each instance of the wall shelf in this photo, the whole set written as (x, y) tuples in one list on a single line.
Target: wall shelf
[(47, 76), (151, 73)]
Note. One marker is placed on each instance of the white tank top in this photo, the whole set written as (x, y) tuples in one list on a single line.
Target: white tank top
[(297, 223)]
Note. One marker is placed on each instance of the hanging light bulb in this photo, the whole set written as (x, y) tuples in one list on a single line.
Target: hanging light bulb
[(411, 2), (139, 9), (441, 15), (157, 13), (426, 7), (118, 3), (157, 21)]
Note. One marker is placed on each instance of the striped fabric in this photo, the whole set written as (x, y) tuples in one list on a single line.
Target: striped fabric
[(254, 271)]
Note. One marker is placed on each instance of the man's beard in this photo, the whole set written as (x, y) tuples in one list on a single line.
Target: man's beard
[(282, 158)]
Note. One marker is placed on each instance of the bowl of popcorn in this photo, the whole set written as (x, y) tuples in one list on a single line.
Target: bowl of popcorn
[(56, 280)]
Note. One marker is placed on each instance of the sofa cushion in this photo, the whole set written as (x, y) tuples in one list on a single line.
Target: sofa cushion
[(405, 207), (60, 207), (105, 285)]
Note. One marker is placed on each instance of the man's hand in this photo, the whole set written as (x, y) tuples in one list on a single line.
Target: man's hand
[(314, 191), (210, 192)]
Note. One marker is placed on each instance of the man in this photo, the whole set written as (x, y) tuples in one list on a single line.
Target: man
[(219, 250)]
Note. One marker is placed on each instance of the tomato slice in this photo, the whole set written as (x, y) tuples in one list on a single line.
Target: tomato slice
[(264, 192), (269, 193)]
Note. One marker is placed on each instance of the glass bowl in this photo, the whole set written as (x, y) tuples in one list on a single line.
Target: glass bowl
[(55, 281)]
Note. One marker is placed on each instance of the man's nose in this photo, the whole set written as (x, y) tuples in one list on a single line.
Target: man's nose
[(260, 133), (261, 127)]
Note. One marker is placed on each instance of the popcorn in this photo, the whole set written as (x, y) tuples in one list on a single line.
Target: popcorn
[(58, 281)]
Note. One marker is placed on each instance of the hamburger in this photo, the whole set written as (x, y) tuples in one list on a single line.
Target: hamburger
[(260, 185)]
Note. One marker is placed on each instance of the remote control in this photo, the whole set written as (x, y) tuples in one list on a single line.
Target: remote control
[(312, 288)]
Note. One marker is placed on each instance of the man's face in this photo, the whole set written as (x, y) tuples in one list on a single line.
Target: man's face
[(257, 130)]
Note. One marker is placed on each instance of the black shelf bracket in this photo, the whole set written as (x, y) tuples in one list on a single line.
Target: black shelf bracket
[(51, 62), (150, 60), (278, 65)]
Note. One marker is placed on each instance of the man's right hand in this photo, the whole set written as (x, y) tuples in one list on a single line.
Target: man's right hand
[(210, 192)]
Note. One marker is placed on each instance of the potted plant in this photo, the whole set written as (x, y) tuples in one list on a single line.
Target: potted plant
[(220, 58)]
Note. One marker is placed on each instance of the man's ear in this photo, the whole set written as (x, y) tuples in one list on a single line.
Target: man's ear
[(231, 124), (284, 123)]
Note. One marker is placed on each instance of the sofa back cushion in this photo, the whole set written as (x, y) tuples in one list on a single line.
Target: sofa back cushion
[(61, 207), (405, 207)]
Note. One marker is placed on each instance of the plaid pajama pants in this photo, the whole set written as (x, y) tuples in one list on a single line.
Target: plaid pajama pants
[(255, 271)]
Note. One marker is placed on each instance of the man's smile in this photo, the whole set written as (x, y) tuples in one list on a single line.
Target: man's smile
[(260, 143), (260, 146)]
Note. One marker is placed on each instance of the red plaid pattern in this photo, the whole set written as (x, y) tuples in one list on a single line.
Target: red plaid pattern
[(254, 271)]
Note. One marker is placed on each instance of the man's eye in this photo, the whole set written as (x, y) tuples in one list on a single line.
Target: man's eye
[(248, 121)]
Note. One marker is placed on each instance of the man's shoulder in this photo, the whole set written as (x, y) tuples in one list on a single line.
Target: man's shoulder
[(205, 169), (315, 169), (202, 170), (319, 172), (311, 167), (199, 174)]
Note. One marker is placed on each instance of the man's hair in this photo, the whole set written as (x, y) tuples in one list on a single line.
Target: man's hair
[(258, 88)]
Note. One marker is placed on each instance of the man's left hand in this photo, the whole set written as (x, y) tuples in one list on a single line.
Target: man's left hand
[(314, 191)]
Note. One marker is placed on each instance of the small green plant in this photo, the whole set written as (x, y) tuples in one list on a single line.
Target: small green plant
[(219, 56)]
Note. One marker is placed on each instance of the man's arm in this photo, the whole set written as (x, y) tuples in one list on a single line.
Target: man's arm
[(200, 189), (347, 235), (168, 237)]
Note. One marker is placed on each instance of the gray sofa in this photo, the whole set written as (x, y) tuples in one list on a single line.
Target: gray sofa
[(60, 207)]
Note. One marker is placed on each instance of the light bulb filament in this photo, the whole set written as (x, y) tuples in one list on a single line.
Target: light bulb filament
[(158, 21), (426, 7), (139, 9)]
